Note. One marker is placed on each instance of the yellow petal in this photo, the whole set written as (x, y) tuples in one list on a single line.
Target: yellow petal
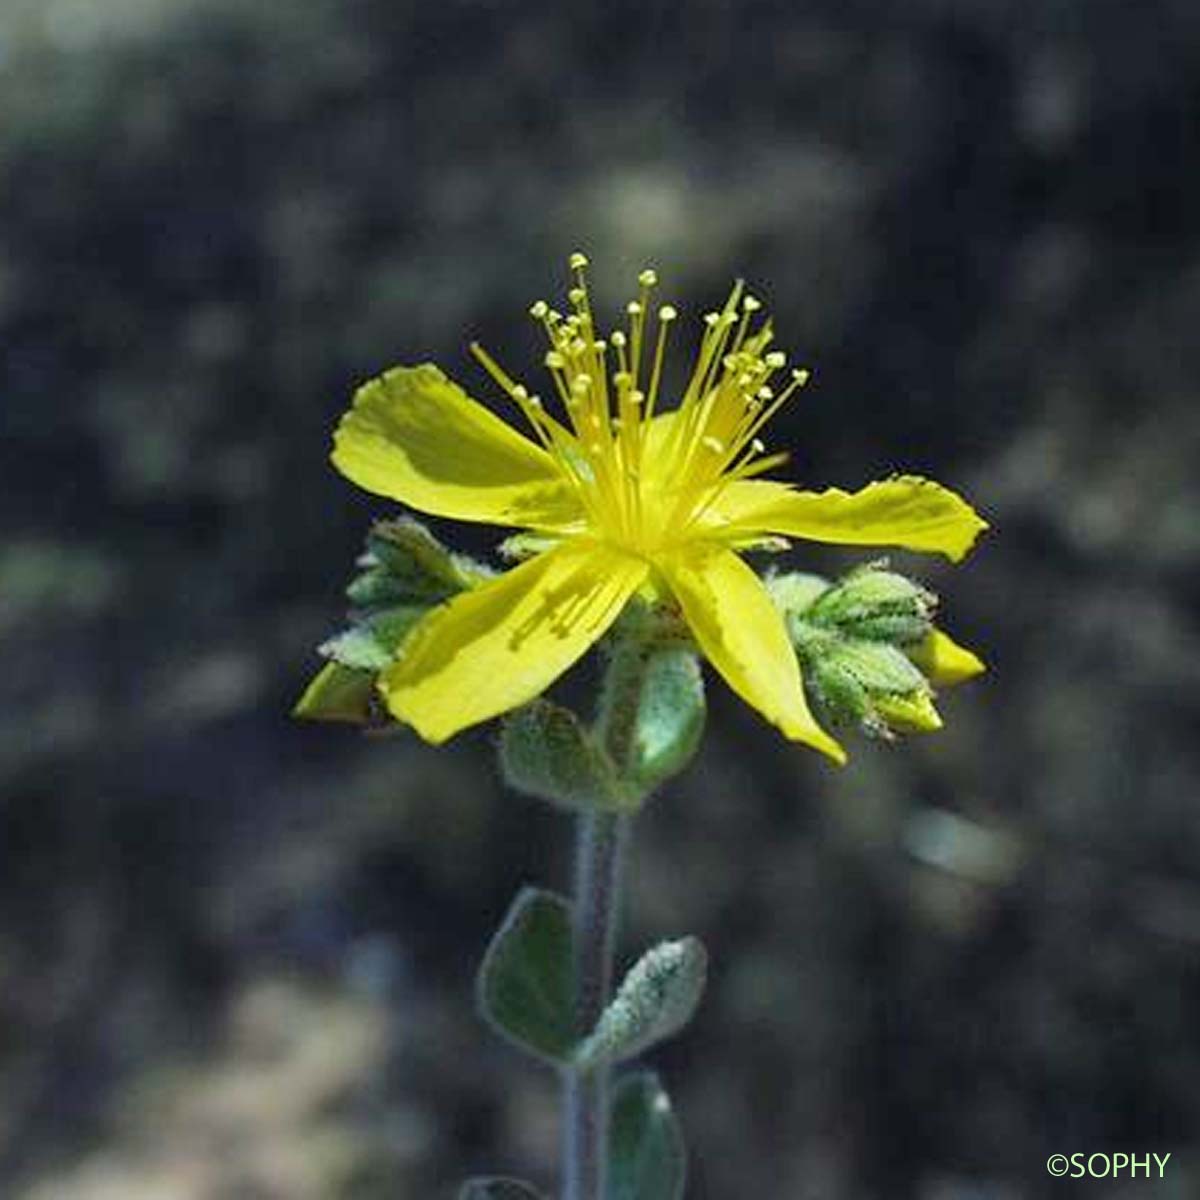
[(905, 511), (495, 647), (944, 662), (417, 437), (743, 636)]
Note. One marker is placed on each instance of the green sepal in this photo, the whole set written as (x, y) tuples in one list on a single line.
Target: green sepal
[(795, 592), (497, 1187), (417, 562), (520, 546), (373, 643), (338, 693), (670, 718), (646, 1157), (525, 986), (650, 716), (655, 1000), (546, 752)]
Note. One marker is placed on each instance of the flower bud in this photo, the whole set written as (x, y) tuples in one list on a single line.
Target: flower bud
[(868, 683), (876, 604), (404, 573)]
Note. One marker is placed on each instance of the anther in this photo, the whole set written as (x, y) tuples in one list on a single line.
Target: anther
[(633, 308), (539, 310), (758, 445), (617, 338), (775, 359), (801, 375), (577, 261), (711, 319), (648, 278), (576, 295), (751, 303), (713, 444), (554, 360), (667, 313)]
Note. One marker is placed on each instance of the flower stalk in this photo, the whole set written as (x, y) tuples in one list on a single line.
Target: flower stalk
[(601, 839)]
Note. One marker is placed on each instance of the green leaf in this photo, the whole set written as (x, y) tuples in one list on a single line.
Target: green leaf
[(546, 752), (338, 693), (670, 717), (646, 1159), (496, 1187), (656, 999), (525, 985), (374, 643)]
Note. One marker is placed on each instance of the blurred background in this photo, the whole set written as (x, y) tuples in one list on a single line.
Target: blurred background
[(236, 952)]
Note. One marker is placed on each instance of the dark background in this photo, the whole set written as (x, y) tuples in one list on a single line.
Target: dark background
[(236, 952)]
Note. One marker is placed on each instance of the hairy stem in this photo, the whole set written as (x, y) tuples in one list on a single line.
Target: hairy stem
[(599, 849)]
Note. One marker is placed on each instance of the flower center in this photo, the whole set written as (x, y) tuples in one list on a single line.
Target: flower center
[(644, 477)]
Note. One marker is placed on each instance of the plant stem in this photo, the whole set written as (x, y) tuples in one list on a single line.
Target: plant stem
[(599, 850)]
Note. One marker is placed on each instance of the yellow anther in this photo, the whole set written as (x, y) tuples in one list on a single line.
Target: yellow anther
[(519, 392), (577, 261), (581, 384), (633, 308), (775, 359), (617, 338), (636, 397), (711, 319), (751, 303), (667, 313), (714, 444), (765, 392), (758, 445), (554, 360), (538, 310), (648, 278), (801, 375), (576, 295)]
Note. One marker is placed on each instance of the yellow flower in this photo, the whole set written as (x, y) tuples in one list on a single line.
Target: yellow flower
[(623, 498)]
